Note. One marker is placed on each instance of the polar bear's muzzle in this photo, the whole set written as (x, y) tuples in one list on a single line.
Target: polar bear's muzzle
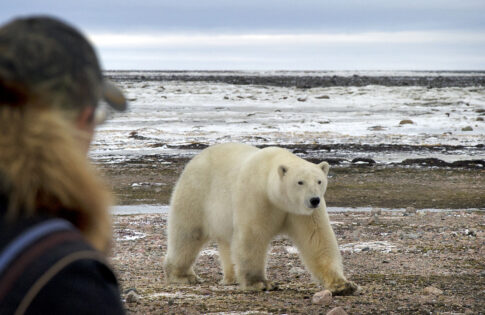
[(313, 202)]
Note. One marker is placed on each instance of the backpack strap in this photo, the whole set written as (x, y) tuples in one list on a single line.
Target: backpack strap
[(51, 272), (34, 257), (29, 237)]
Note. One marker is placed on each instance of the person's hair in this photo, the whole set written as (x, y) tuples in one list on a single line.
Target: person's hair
[(43, 170)]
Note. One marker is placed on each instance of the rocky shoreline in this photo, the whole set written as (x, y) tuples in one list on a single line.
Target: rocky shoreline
[(307, 81), (348, 153)]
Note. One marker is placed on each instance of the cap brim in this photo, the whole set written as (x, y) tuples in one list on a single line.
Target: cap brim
[(113, 96)]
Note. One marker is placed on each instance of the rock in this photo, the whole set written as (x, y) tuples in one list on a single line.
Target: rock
[(377, 128), (373, 220), (134, 135), (426, 162), (132, 297), (205, 292), (322, 97), (406, 122), (432, 291), (337, 311), (356, 235), (412, 236), (479, 118), (301, 99), (467, 128), (410, 210), (376, 211), (363, 161), (297, 271), (323, 297), (469, 163)]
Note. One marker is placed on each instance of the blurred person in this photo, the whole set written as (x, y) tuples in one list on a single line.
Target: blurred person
[(55, 226)]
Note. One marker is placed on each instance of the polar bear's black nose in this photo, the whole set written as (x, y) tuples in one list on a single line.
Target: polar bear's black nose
[(315, 201)]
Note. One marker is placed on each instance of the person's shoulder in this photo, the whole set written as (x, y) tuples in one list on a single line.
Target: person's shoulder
[(46, 264), (84, 286)]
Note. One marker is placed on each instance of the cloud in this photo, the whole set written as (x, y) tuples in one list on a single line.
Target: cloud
[(409, 50), (107, 40)]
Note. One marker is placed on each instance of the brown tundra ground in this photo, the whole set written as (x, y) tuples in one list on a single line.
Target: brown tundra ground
[(394, 256)]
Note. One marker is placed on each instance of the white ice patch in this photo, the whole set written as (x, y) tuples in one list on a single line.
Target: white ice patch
[(209, 252), (380, 246), (176, 295), (131, 235), (172, 113), (139, 209), (291, 250), (336, 223)]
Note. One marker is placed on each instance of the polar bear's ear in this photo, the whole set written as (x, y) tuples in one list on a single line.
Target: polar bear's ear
[(325, 167), (282, 170)]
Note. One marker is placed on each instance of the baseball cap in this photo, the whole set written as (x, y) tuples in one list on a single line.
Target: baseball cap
[(51, 60)]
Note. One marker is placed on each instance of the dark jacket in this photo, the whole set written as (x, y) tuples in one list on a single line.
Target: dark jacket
[(47, 267)]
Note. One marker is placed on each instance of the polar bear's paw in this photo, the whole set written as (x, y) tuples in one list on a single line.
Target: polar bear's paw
[(262, 285), (185, 279), (228, 281), (345, 288)]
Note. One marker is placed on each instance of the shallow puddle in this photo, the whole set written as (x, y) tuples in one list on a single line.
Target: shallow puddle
[(154, 209)]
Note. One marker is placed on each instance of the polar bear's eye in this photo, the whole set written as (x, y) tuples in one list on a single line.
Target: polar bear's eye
[(300, 182), (319, 182)]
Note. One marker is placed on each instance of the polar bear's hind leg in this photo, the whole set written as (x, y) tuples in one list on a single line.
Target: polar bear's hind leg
[(184, 247)]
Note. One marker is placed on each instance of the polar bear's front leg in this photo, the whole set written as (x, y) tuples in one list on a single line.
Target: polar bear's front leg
[(226, 262), (315, 239), (249, 251)]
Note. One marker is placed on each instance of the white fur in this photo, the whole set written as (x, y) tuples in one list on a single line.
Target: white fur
[(241, 197)]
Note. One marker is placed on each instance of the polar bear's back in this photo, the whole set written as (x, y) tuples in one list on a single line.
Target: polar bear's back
[(204, 190)]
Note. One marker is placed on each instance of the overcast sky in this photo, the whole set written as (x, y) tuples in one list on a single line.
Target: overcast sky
[(274, 35)]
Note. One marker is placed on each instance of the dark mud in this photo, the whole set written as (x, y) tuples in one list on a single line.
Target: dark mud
[(150, 180)]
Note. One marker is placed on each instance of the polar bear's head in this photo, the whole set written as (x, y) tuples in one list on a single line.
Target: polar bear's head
[(301, 187)]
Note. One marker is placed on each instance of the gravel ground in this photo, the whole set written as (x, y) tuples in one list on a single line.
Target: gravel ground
[(416, 263), (407, 263)]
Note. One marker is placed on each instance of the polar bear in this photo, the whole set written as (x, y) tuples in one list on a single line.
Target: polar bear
[(241, 197)]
